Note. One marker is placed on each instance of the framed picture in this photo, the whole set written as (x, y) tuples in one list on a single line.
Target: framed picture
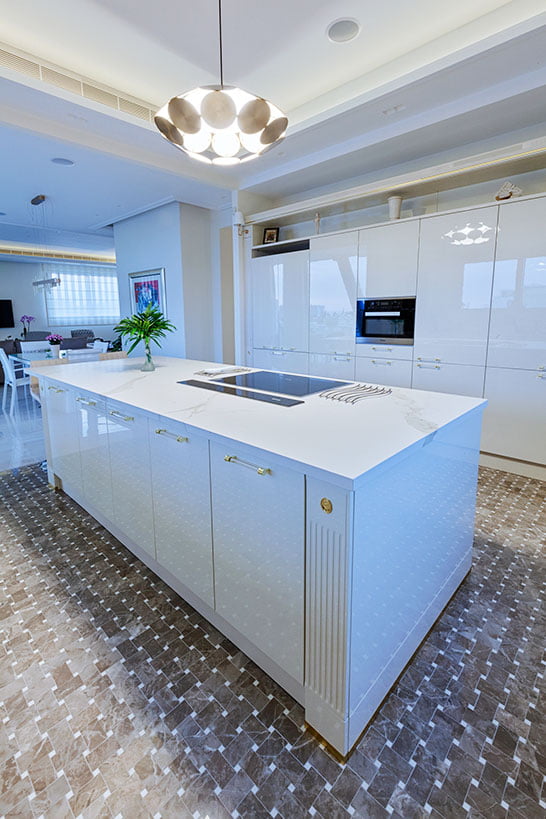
[(270, 235), (148, 287)]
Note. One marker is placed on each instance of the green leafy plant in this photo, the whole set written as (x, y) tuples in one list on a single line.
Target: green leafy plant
[(148, 326)]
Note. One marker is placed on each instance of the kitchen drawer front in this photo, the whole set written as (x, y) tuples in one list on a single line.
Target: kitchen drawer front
[(62, 415), (281, 360), (332, 366), (181, 502), (391, 372), (95, 452), (401, 352), (131, 480), (514, 422), (259, 546), (459, 379)]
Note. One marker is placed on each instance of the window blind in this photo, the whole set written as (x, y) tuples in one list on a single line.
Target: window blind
[(87, 294)]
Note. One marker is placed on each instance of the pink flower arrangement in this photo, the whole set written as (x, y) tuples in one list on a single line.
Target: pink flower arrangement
[(54, 338)]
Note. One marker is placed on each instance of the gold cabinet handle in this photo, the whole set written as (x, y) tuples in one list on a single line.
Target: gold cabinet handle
[(384, 362), (383, 349), (420, 358), (117, 414), (56, 389), (233, 459), (181, 439), (86, 402), (430, 366)]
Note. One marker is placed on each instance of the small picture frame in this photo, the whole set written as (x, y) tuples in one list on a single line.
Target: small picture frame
[(148, 287), (270, 235)]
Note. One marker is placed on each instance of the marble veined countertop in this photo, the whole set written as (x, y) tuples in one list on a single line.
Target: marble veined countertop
[(343, 440)]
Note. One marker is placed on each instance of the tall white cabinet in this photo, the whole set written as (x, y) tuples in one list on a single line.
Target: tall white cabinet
[(280, 297), (333, 270), (454, 280), (387, 268), (515, 384)]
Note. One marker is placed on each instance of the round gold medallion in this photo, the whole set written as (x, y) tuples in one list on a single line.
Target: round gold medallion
[(326, 505)]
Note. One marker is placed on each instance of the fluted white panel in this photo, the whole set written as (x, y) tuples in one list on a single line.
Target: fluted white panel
[(327, 596)]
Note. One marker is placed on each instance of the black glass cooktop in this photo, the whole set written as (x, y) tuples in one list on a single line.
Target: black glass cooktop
[(280, 400), (281, 382)]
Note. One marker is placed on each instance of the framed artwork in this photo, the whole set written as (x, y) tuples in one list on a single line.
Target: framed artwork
[(148, 287), (270, 235)]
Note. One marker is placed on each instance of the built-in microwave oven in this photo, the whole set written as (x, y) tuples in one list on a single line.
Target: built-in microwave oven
[(385, 321)]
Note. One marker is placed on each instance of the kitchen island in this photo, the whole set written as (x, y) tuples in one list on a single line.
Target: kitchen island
[(323, 537)]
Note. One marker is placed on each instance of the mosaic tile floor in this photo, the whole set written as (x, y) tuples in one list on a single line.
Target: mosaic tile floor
[(118, 700)]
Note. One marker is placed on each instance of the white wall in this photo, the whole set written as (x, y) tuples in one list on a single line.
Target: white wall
[(177, 238), (16, 279)]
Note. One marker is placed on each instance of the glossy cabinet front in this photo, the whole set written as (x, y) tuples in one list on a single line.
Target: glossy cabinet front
[(95, 453), (280, 301), (259, 537), (131, 480), (332, 293), (460, 379), (454, 286), (387, 260), (389, 371), (64, 435), (332, 366), (181, 503), (281, 360), (515, 418), (517, 334)]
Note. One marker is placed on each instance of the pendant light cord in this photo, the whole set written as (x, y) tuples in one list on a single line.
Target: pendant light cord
[(220, 39)]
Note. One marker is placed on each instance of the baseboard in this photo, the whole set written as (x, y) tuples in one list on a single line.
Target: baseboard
[(525, 468)]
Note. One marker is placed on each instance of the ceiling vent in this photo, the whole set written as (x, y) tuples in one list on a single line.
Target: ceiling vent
[(81, 86)]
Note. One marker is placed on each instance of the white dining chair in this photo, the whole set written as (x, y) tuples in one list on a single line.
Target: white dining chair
[(100, 346), (12, 380), (35, 346)]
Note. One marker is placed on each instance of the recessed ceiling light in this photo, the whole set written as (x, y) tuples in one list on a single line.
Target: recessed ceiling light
[(60, 160), (343, 30)]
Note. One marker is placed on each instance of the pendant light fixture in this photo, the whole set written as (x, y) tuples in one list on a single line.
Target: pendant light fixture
[(221, 124)]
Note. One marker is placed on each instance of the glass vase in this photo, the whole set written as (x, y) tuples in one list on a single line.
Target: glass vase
[(149, 365)]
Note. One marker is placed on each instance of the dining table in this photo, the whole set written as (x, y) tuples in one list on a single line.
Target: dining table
[(73, 356)]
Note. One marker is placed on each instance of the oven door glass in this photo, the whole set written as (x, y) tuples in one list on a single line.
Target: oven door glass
[(384, 326)]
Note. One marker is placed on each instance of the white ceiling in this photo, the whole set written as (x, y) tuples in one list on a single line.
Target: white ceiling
[(468, 72)]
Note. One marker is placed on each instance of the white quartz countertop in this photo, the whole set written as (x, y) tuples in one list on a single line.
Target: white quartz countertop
[(340, 439)]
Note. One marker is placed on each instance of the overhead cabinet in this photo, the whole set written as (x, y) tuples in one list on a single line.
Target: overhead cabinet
[(454, 282), (332, 294), (387, 260), (517, 336)]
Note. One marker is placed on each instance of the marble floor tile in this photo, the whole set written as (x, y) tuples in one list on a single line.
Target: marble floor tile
[(118, 700)]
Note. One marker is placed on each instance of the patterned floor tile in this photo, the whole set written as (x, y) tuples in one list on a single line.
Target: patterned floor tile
[(117, 699)]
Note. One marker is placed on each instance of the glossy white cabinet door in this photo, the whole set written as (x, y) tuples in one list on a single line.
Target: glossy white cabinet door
[(281, 360), (181, 502), (460, 379), (63, 425), (401, 352), (332, 286), (517, 334), (131, 480), (514, 423), (95, 454), (332, 366), (391, 372), (454, 286), (280, 300), (387, 260), (259, 545)]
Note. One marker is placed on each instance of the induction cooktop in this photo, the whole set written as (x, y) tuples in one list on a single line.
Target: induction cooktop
[(283, 383), (280, 400)]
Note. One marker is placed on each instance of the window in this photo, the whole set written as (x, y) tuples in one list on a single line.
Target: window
[(87, 294)]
